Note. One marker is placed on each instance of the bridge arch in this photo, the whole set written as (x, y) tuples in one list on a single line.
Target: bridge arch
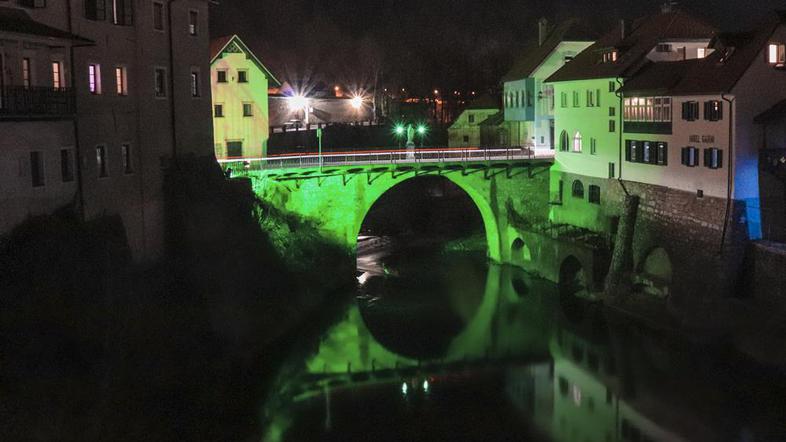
[(479, 199)]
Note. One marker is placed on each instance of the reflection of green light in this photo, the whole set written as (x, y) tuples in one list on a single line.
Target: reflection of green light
[(425, 385), (421, 129), (404, 388)]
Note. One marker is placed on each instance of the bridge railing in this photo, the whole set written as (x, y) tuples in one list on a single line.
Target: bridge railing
[(394, 156)]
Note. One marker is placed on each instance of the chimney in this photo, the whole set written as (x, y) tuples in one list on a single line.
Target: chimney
[(622, 29), (543, 30)]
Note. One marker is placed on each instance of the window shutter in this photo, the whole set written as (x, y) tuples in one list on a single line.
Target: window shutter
[(663, 154), (720, 158), (719, 115), (686, 156), (686, 110), (707, 157), (707, 110), (627, 151)]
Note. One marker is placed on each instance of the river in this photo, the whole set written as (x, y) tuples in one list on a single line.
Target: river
[(445, 346)]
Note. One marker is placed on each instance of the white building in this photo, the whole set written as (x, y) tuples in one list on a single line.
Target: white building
[(466, 131), (137, 87), (528, 102)]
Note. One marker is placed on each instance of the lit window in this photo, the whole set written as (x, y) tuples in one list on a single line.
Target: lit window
[(94, 78), (160, 82), (158, 16), (647, 109), (248, 109), (193, 19), (26, 80), (713, 110), (101, 165), (121, 81), (577, 142), (713, 158), (242, 76), (690, 156), (37, 168), (610, 56), (702, 52), (195, 84), (57, 75), (125, 153), (776, 54)]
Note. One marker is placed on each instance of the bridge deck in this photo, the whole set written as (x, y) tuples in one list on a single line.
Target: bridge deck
[(387, 157)]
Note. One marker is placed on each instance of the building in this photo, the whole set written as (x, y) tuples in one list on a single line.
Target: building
[(135, 78), (241, 112), (663, 110), (528, 101), (320, 105), (466, 130)]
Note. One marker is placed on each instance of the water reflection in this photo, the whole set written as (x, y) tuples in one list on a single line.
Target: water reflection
[(453, 349)]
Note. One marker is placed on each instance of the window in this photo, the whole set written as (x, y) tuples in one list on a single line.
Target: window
[(218, 110), (121, 81), (578, 189), (518, 99), (713, 110), (564, 141), (776, 54), (563, 98), (647, 152), (95, 9), (612, 171), (94, 78), (690, 110), (471, 118), (248, 110), (193, 20), (647, 109), (101, 165), (221, 76), (159, 83), (576, 99), (125, 154), (158, 16), (701, 53), (67, 165), (594, 194), (590, 99), (612, 111), (568, 58), (57, 75), (529, 98), (612, 125), (663, 47), (597, 97), (466, 139), (32, 3), (610, 56), (123, 12), (577, 142), (593, 146), (37, 168), (612, 86), (242, 76), (713, 158), (690, 156), (26, 72), (195, 84)]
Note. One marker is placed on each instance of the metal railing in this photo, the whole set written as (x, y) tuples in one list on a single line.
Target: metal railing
[(395, 156), (20, 101)]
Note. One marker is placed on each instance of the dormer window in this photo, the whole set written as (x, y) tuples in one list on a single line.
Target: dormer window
[(610, 56), (776, 54), (701, 53), (663, 47)]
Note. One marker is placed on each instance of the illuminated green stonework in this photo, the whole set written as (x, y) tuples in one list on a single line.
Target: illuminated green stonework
[(337, 199)]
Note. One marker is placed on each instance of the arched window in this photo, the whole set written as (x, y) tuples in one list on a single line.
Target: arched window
[(578, 189), (577, 142), (518, 98), (564, 141)]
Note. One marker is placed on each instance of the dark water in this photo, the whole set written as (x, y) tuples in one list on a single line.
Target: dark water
[(446, 347)]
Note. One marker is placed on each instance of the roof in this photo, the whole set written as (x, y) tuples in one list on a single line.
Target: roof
[(219, 45), (485, 101), (772, 114), (718, 73), (19, 22), (640, 38), (494, 120), (534, 55)]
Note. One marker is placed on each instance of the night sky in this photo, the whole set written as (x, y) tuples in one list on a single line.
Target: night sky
[(422, 45)]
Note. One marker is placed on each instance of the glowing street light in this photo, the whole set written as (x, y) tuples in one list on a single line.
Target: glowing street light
[(399, 130), (357, 102), (422, 129), (299, 102)]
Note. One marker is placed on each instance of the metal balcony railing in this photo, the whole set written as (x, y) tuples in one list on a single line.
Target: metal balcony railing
[(36, 102)]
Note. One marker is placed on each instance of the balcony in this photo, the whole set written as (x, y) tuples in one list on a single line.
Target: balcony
[(36, 103)]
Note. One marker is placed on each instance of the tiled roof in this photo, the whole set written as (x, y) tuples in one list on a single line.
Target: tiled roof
[(217, 46), (17, 21), (717, 73), (534, 55), (640, 38)]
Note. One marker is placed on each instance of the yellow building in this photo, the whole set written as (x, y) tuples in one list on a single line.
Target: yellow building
[(240, 83)]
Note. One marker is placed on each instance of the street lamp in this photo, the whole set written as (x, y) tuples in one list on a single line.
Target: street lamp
[(422, 130), (399, 131), (298, 102), (357, 102)]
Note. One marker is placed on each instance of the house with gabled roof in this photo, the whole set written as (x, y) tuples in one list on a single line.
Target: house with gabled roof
[(528, 102), (240, 83)]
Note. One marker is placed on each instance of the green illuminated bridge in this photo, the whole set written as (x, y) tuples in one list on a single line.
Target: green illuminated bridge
[(509, 186)]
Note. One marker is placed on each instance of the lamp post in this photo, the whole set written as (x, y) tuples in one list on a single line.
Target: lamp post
[(422, 130), (399, 131), (319, 141)]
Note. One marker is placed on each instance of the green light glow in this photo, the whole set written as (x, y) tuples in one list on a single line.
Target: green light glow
[(404, 388), (399, 129), (422, 129)]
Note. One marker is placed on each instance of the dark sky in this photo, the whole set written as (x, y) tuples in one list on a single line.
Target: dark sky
[(426, 44)]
